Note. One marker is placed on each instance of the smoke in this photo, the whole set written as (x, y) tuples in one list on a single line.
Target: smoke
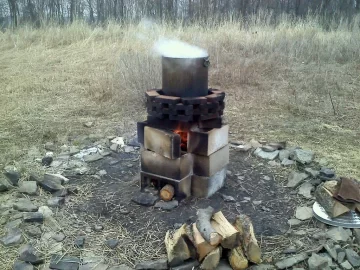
[(178, 49)]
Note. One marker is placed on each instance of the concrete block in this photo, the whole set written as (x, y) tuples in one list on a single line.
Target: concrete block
[(205, 187), (209, 165)]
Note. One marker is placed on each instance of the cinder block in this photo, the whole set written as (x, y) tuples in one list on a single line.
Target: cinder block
[(151, 94), (212, 123), (209, 165), (162, 142), (205, 187), (140, 131), (154, 163), (207, 142)]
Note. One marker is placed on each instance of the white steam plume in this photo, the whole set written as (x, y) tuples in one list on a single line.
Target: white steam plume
[(178, 49)]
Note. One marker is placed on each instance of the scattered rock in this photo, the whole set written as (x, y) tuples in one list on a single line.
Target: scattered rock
[(128, 149), (303, 213), (287, 162), (146, 199), (352, 257), (33, 231), (13, 238), (88, 124), (288, 262), (274, 163), (102, 173), (4, 184), (341, 256), (254, 143), (98, 227), (112, 243), (290, 250), (312, 172), (92, 157), (284, 154), (243, 147), (13, 176), (25, 205), (227, 198), (155, 265), (28, 254), (294, 222), (46, 211), (319, 235), (326, 174), (317, 262), (60, 262), (266, 155), (295, 179), (346, 265), (302, 156), (18, 265), (14, 224), (50, 186), (114, 147), (305, 190), (28, 187), (79, 242), (268, 148), (331, 250), (56, 201), (167, 205), (56, 178), (73, 150), (339, 234), (47, 160), (119, 141), (34, 217)]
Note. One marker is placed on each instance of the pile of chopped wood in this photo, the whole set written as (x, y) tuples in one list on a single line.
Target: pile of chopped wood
[(211, 238)]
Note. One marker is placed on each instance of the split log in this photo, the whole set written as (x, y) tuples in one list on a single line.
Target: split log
[(203, 248), (178, 247), (204, 226), (230, 236), (167, 192), (332, 186), (237, 259), (251, 248), (333, 207), (212, 260)]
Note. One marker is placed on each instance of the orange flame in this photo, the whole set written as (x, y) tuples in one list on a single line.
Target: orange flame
[(183, 137)]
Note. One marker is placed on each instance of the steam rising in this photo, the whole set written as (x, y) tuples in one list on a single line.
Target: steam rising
[(178, 49)]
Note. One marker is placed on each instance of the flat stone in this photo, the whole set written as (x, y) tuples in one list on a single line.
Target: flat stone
[(47, 160), (120, 267), (331, 250), (50, 186), (312, 172), (13, 224), (303, 213), (56, 178), (305, 190), (294, 222), (112, 243), (352, 257), (45, 211), (25, 205), (18, 265), (13, 176), (319, 235), (254, 143), (161, 264), (288, 262), (266, 155), (4, 184), (317, 262), (128, 149), (59, 237), (167, 205), (284, 154), (59, 262), (295, 179), (287, 162), (326, 174), (56, 201), (27, 253), (227, 198), (302, 156), (33, 231), (28, 187), (192, 264), (290, 250), (339, 234), (34, 217), (145, 199), (346, 265), (79, 241), (13, 238), (341, 256), (93, 157)]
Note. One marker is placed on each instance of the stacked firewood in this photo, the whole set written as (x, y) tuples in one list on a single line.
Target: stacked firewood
[(213, 237)]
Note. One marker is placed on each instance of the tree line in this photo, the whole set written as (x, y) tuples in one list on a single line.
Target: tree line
[(41, 12)]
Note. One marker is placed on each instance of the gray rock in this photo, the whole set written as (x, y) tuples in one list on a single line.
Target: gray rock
[(79, 241), (302, 156), (33, 231), (305, 190), (331, 250), (92, 157), (328, 258), (98, 227), (145, 199), (303, 213), (266, 155), (352, 257), (28, 187), (287, 162), (284, 154), (14, 224), (341, 256), (312, 172), (227, 198), (13, 176), (268, 148), (317, 262), (319, 235), (56, 178), (315, 181), (346, 265), (4, 184), (59, 237), (153, 265), (290, 250), (326, 174), (74, 150), (59, 262), (47, 160), (339, 234), (56, 201), (112, 243), (295, 179), (34, 217), (18, 265), (293, 222), (25, 205), (167, 205), (288, 262), (45, 211), (50, 186), (120, 267), (27, 253), (13, 238)]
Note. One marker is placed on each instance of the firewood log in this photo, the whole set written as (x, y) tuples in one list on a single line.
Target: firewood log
[(203, 248), (167, 193), (204, 226), (251, 248), (212, 259), (230, 236), (237, 259), (178, 247), (333, 207), (331, 186)]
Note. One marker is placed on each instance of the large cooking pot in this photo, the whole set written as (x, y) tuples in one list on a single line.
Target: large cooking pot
[(185, 77)]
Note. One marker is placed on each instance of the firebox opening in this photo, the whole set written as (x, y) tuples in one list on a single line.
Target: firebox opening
[(183, 138)]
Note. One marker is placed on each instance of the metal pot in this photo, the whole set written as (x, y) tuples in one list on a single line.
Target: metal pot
[(185, 77)]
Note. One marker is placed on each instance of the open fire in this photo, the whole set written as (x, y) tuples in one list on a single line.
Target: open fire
[(183, 139)]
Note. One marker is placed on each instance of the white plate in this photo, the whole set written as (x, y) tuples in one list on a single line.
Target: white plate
[(347, 220)]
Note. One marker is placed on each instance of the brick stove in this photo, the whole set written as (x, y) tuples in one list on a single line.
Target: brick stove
[(183, 141)]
